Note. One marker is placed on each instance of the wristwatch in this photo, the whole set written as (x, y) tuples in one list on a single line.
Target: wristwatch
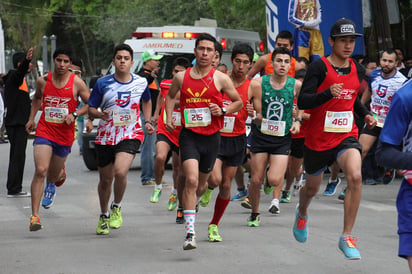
[(298, 120), (149, 122), (223, 110), (75, 115)]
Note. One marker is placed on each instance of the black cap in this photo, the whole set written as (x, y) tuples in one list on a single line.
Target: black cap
[(344, 27)]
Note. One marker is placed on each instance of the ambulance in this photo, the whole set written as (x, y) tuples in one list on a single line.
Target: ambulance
[(173, 42)]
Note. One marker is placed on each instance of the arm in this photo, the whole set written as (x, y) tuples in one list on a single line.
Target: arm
[(147, 111), (255, 95), (391, 156), (36, 104), (366, 96), (171, 97), (362, 111), (226, 85), (299, 113), (83, 91), (159, 103), (258, 66), (24, 66)]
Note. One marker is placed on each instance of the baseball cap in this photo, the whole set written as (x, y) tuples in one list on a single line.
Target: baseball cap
[(344, 27), (151, 54)]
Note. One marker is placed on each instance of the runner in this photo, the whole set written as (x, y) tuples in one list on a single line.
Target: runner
[(272, 97), (167, 141), (330, 91), (57, 95), (115, 100), (233, 141), (202, 111)]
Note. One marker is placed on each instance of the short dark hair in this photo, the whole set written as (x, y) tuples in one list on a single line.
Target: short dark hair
[(120, 47), (242, 48), (18, 57), (205, 36), (280, 50), (219, 48), (389, 51), (285, 34), (64, 51), (181, 61), (300, 73), (302, 59), (77, 62)]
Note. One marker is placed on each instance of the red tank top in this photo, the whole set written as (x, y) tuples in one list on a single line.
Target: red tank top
[(291, 71), (336, 111), (235, 123), (195, 97), (57, 103), (161, 127)]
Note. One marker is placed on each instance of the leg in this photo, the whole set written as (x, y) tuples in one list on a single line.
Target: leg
[(257, 167), (308, 191), (162, 149), (18, 143), (42, 155), (276, 176), (367, 142), (147, 151), (122, 164), (104, 188)]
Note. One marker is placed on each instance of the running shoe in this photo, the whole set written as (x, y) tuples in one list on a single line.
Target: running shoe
[(331, 187), (35, 223), (388, 176), (241, 194), (348, 247), (116, 219), (267, 188), (103, 225), (246, 203), (21, 194), (157, 192), (205, 200), (369, 182), (172, 204), (49, 194), (253, 222), (300, 227), (342, 194), (285, 198), (274, 207), (180, 219), (62, 179), (190, 242), (213, 232)]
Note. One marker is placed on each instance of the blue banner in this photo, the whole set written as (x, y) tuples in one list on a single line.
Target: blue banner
[(277, 20)]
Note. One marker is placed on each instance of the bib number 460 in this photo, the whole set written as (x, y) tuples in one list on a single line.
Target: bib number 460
[(340, 122)]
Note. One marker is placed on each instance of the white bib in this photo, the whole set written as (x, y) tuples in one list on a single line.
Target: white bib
[(338, 121), (197, 117), (229, 124), (176, 118), (55, 114), (274, 128), (380, 120), (123, 117)]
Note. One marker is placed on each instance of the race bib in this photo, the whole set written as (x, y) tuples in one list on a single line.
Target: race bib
[(274, 128), (229, 124), (379, 119), (176, 118), (55, 114), (197, 117), (338, 121), (123, 117)]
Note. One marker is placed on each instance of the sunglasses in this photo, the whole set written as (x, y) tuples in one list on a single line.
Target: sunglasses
[(75, 71)]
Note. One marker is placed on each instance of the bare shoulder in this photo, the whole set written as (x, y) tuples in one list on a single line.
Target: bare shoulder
[(256, 82)]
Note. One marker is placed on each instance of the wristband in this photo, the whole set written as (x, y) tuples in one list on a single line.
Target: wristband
[(148, 122), (298, 120)]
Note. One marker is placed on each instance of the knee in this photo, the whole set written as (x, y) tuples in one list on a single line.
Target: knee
[(354, 179), (214, 181), (41, 172), (161, 157), (311, 190), (191, 183)]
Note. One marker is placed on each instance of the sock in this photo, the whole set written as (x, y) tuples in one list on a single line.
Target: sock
[(241, 189), (210, 188), (220, 207), (253, 216), (107, 214), (190, 216), (115, 205), (159, 186)]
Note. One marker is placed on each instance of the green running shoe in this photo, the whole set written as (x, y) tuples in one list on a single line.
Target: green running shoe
[(253, 223), (285, 198), (213, 232), (103, 225), (267, 188), (157, 192), (116, 219), (172, 204), (205, 200), (35, 223)]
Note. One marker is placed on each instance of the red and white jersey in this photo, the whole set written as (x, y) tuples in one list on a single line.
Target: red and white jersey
[(57, 104), (235, 123), (333, 121), (195, 97), (122, 100)]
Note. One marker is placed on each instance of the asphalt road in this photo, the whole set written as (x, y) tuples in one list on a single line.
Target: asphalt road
[(151, 242)]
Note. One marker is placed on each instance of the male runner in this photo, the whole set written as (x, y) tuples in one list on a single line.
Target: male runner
[(167, 141), (232, 148), (272, 96), (330, 90), (201, 106), (383, 83), (115, 101), (57, 95)]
